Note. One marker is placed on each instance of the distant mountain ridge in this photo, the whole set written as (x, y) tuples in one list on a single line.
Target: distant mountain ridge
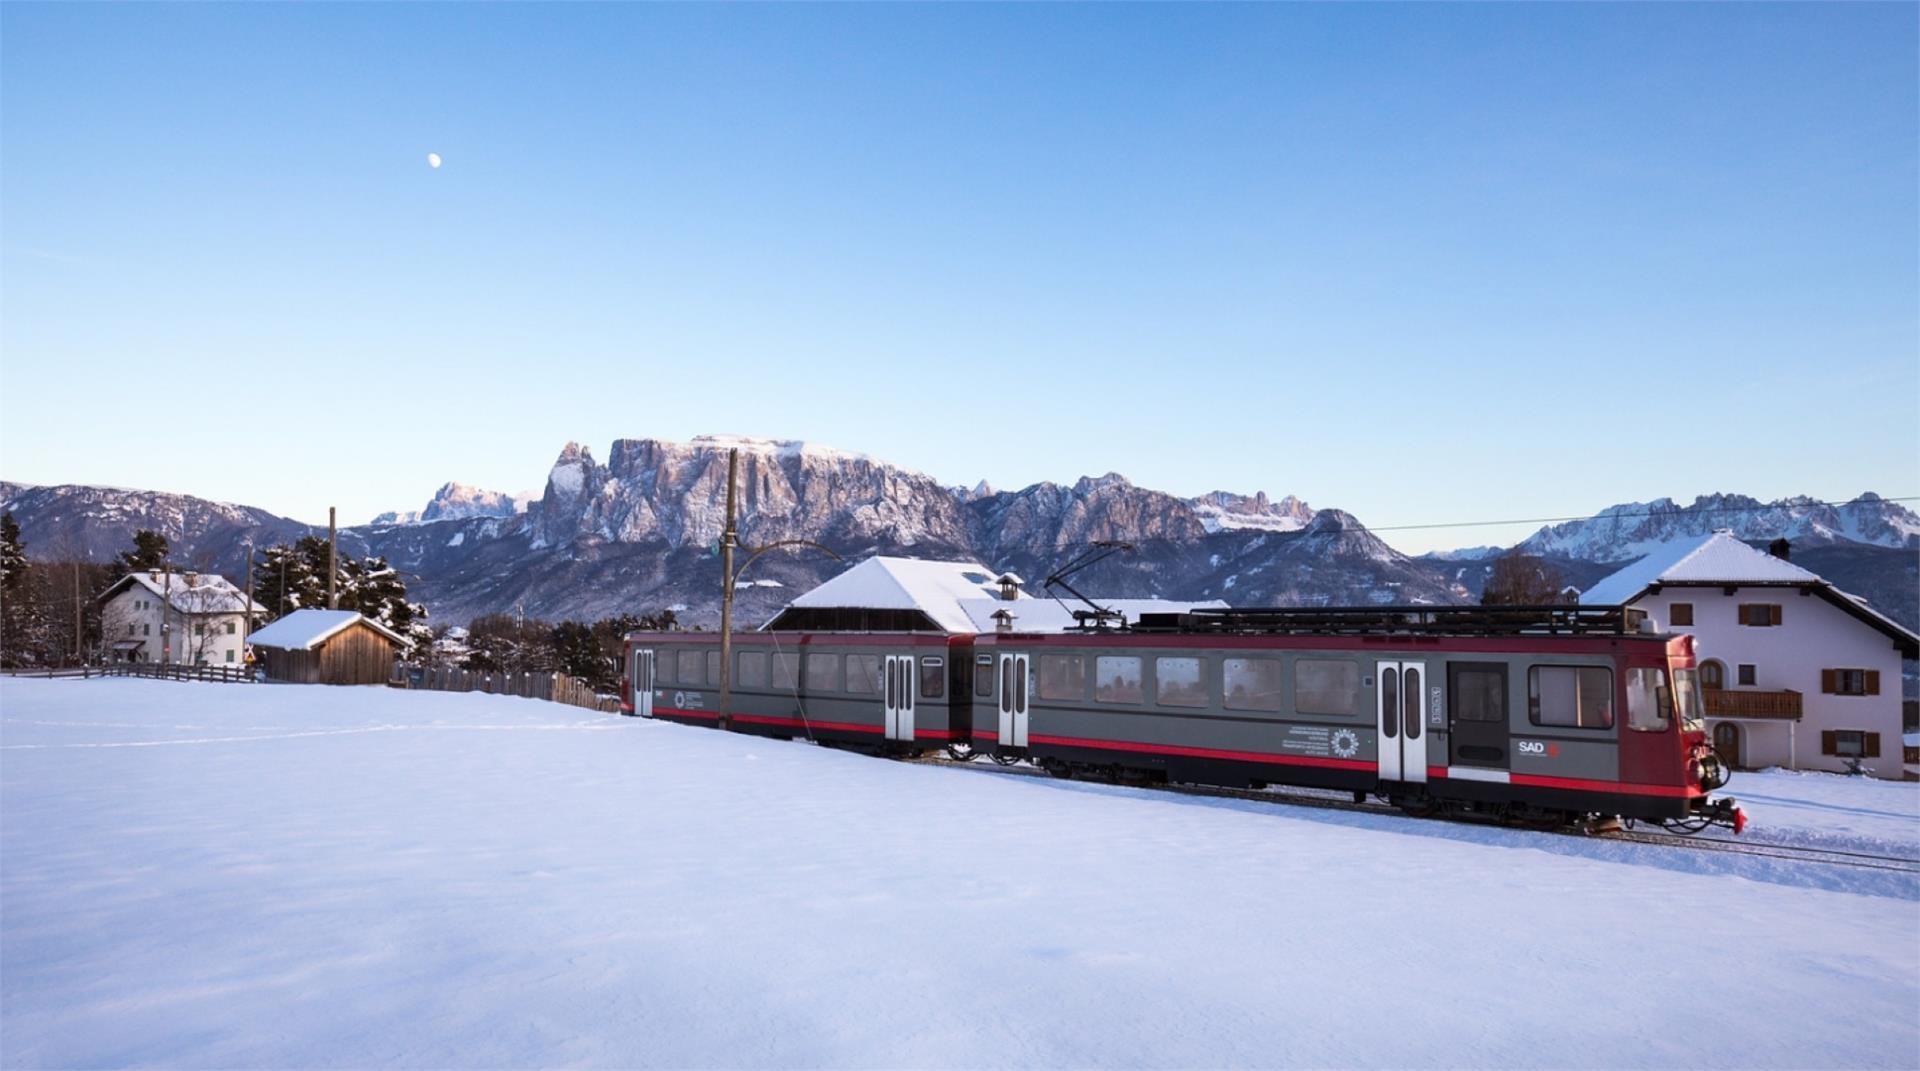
[(639, 532)]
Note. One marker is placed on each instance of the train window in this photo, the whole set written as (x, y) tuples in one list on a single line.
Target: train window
[(753, 669), (1479, 691), (933, 678), (1324, 686), (1577, 697), (1648, 700), (1062, 677), (689, 669), (1389, 703), (1686, 689), (983, 677), (1410, 698), (783, 670), (863, 674), (1250, 683), (1116, 679), (713, 668), (663, 667), (1179, 682), (823, 672)]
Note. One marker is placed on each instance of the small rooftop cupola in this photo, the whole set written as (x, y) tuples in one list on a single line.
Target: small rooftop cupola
[(1003, 620), (1009, 586), (1781, 548)]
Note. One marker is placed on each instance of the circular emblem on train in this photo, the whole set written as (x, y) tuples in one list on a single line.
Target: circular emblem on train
[(1345, 743), (680, 700)]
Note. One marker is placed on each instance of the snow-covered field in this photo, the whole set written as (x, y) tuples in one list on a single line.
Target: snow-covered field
[(221, 875)]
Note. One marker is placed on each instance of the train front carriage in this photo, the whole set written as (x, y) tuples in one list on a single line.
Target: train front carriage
[(900, 692), (1545, 714)]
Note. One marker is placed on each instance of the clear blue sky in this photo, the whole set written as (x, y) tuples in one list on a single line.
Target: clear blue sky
[(1424, 263)]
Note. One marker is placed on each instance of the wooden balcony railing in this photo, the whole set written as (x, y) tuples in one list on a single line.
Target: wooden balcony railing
[(1729, 703)]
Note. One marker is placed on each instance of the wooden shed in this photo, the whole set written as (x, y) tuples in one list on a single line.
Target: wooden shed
[(326, 647)]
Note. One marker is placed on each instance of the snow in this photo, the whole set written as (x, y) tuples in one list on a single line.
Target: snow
[(568, 476), (886, 583), (778, 447), (303, 630), (1827, 810), (208, 593), (458, 538), (299, 876), (1713, 558)]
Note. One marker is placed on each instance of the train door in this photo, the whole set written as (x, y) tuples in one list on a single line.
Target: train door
[(1400, 717), (1013, 700), (1478, 733), (642, 683), (902, 684)]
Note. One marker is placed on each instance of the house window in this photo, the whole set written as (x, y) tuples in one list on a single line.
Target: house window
[(230, 628), (1680, 613), (229, 655), (1759, 614), (200, 629), (1712, 674), (1746, 674), (1850, 681), (1850, 744), (146, 630), (131, 627)]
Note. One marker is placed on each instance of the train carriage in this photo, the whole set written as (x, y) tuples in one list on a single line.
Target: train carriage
[(895, 692), (1550, 714)]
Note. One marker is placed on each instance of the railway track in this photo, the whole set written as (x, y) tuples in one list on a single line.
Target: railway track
[(1343, 802)]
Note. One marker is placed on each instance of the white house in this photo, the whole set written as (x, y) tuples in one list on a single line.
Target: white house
[(179, 617), (1797, 672)]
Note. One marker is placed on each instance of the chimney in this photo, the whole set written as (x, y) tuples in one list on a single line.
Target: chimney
[(1009, 587), (1003, 621), (1781, 549)]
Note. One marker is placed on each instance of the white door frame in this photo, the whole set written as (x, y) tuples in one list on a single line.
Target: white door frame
[(643, 683), (1401, 733), (903, 679), (1013, 700)]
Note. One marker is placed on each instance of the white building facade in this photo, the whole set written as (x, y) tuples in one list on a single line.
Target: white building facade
[(1797, 673), (179, 618)]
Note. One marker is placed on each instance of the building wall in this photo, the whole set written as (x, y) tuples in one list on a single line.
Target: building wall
[(1813, 635), (140, 609), (358, 655)]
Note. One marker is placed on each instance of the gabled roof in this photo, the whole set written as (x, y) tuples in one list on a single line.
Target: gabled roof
[(303, 630), (936, 589), (1720, 558), (208, 593)]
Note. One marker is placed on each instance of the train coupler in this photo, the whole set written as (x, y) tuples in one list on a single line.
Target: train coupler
[(1726, 812)]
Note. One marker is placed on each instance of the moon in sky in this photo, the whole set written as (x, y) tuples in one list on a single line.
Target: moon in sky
[(433, 159)]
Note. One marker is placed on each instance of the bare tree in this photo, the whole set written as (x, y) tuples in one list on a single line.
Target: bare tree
[(1522, 580)]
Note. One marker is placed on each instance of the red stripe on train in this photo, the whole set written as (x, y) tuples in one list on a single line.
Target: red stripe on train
[(1202, 752), (1578, 784), (796, 723)]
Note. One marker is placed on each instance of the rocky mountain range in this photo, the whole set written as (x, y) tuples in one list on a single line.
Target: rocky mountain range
[(639, 532)]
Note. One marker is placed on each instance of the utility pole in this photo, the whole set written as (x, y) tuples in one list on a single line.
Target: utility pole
[(246, 612), (727, 540), (283, 584), (79, 629), (166, 621), (333, 568)]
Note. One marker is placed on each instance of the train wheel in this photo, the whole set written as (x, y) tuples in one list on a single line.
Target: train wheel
[(1005, 759), (960, 752), (1057, 768), (1418, 806)]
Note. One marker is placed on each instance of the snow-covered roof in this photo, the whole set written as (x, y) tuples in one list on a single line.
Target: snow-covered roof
[(1721, 558), (1713, 559), (189, 593), (1046, 615), (958, 597), (303, 630), (937, 589)]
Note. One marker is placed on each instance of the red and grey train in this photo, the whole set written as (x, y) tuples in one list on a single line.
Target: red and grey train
[(1545, 715)]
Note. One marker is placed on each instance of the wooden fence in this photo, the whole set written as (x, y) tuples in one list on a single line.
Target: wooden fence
[(552, 687), (157, 670)]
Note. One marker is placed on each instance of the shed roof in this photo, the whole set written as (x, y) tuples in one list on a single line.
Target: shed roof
[(303, 630), (936, 589)]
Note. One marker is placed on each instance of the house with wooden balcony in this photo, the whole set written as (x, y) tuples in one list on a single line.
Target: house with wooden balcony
[(1797, 673)]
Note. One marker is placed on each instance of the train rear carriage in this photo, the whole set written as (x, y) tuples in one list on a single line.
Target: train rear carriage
[(1547, 713), (896, 692)]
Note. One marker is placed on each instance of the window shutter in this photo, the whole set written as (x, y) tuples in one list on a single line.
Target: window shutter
[(1827, 744), (1773, 613), (1872, 748), (1745, 617), (1829, 682), (1873, 682)]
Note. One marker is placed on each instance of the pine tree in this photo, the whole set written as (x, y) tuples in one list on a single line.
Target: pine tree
[(149, 552), (14, 604)]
